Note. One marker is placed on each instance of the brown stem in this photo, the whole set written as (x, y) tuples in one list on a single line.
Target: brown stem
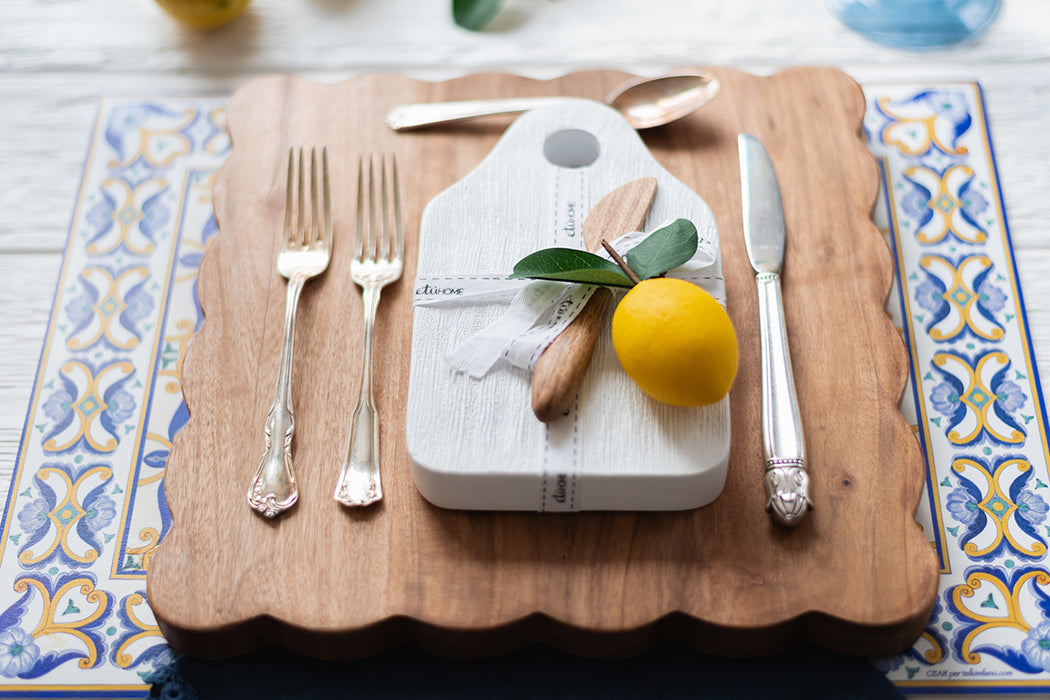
[(621, 262)]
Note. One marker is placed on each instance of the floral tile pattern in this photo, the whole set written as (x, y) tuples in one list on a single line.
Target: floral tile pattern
[(974, 398), (86, 508)]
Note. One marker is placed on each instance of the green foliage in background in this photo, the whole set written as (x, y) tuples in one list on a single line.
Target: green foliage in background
[(474, 14)]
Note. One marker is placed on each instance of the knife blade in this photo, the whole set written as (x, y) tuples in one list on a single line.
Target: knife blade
[(561, 367), (786, 476)]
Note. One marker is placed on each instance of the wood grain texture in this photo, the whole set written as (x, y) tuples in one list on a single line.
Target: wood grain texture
[(858, 575), (560, 369)]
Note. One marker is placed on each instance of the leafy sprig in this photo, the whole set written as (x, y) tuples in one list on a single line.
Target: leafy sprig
[(660, 252)]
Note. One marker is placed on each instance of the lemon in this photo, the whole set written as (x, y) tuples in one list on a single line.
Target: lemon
[(204, 14), (676, 342)]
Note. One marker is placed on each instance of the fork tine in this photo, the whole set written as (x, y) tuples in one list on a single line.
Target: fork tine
[(359, 230), (326, 197), (384, 212), (399, 232), (370, 248), (300, 219), (288, 196), (313, 233)]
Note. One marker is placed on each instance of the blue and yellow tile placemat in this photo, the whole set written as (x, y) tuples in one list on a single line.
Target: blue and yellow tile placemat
[(86, 507), (974, 396)]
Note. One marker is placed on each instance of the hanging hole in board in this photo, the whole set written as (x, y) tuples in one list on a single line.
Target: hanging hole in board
[(571, 148)]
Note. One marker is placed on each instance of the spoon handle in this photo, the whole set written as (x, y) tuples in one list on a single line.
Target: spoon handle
[(417, 116)]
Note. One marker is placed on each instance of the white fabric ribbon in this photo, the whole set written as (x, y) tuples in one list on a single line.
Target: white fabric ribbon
[(538, 310)]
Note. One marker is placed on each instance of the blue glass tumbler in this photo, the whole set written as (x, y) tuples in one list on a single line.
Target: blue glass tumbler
[(916, 25)]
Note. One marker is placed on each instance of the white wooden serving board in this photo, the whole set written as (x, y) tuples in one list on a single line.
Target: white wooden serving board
[(475, 443)]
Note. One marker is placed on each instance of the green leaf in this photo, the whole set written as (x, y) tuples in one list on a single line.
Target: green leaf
[(663, 250), (474, 14), (570, 265)]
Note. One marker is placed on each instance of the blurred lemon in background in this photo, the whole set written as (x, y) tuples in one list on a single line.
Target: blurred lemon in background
[(204, 14)]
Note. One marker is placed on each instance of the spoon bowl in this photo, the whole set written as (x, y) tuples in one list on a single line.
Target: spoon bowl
[(645, 103), (651, 102)]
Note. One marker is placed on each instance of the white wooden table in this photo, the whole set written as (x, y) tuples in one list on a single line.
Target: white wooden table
[(59, 57)]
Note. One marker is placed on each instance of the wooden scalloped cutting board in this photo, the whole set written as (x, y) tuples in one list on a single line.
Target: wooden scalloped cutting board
[(857, 575)]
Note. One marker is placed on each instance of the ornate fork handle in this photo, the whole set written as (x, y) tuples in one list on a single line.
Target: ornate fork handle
[(359, 483), (274, 490)]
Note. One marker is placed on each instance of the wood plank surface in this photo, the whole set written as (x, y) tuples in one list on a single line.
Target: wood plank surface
[(857, 575)]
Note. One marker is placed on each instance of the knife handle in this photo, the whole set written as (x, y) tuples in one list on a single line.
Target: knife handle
[(787, 482), (560, 370)]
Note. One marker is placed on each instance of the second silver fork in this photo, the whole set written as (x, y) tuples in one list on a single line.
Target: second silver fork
[(378, 261)]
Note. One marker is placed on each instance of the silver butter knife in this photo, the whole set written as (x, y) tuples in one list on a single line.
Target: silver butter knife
[(787, 482)]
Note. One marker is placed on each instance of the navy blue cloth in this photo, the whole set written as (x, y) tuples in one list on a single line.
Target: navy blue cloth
[(539, 672)]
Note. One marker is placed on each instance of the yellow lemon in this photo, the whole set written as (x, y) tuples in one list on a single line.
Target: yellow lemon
[(204, 14), (676, 342)]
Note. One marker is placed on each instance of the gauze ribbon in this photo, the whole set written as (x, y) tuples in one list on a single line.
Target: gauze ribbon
[(538, 311)]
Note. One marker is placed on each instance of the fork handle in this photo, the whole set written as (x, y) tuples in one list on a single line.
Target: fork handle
[(274, 490), (359, 483)]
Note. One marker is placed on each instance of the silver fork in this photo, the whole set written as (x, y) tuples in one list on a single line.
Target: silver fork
[(305, 252), (377, 262)]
